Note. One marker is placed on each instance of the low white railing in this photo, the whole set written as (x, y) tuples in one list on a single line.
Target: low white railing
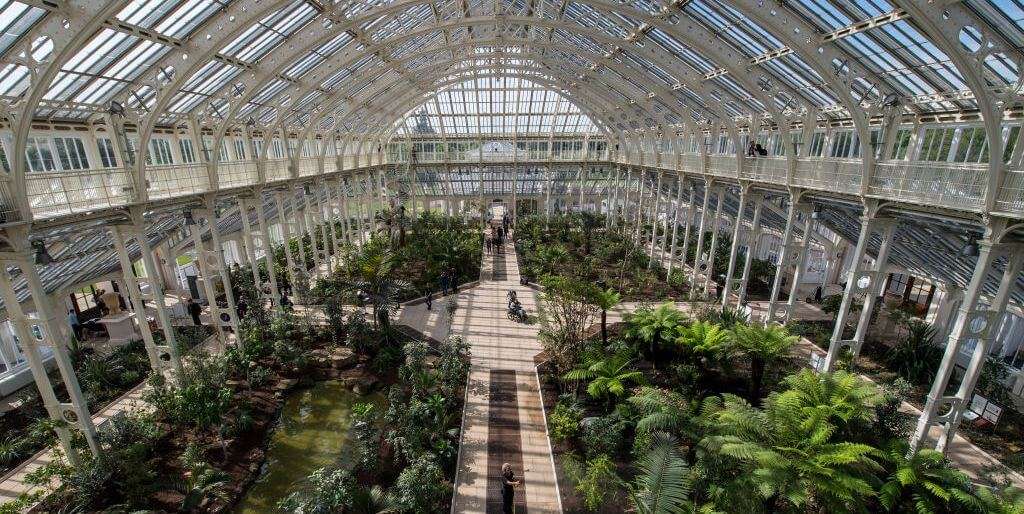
[(309, 166), (766, 169), (693, 163), (236, 174), (946, 184), (330, 164), (1011, 194), (722, 165), (173, 180), (277, 169), (840, 175), (66, 192)]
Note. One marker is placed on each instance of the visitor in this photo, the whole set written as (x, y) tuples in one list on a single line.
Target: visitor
[(488, 245), (761, 152), (76, 327), (286, 303), (508, 492), (194, 310), (241, 308), (444, 283), (429, 299), (752, 150), (454, 280)]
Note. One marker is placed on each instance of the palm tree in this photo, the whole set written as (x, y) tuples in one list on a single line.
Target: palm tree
[(608, 376), (654, 327), (923, 482), (605, 300), (662, 484), (704, 339), (765, 345), (788, 462), (374, 279)]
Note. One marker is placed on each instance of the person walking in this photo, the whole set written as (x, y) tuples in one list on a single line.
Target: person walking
[(489, 243), (76, 327), (429, 299), (194, 310), (508, 491)]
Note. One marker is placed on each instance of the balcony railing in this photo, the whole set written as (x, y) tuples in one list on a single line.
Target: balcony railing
[(169, 181), (277, 169), (62, 192), (308, 166), (840, 175), (1011, 194), (766, 169), (941, 184), (955, 185), (236, 174)]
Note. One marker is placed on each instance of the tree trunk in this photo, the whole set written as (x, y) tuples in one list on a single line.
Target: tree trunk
[(604, 327), (756, 377)]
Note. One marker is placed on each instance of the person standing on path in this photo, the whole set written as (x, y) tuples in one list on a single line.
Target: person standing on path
[(194, 310), (429, 299), (508, 491)]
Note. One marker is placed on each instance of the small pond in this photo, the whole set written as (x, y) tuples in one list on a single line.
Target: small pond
[(312, 433)]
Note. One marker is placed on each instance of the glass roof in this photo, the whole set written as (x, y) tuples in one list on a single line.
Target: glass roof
[(652, 63), (496, 105)]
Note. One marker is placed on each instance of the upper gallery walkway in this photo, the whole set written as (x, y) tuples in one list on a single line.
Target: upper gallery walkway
[(947, 185)]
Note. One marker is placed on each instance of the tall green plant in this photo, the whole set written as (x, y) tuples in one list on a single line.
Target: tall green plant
[(609, 376), (765, 346), (605, 300)]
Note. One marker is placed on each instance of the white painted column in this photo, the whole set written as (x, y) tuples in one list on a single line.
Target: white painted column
[(977, 323), (268, 248), (730, 283), (654, 221), (781, 264), (698, 259), (30, 347), (753, 239), (709, 275)]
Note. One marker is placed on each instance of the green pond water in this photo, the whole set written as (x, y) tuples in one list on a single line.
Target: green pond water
[(312, 433)]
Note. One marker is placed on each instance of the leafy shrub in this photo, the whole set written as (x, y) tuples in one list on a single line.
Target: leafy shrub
[(915, 357), (326, 491), (603, 435), (564, 421), (422, 486), (595, 479)]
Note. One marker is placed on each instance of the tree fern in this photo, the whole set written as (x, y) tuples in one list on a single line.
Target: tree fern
[(662, 484)]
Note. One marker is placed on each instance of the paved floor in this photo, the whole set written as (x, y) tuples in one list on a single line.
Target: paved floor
[(493, 426)]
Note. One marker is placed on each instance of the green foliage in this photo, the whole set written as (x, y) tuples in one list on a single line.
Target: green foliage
[(765, 346), (662, 484), (326, 491), (608, 376), (422, 486), (704, 339), (924, 483), (915, 357), (564, 421), (788, 460), (119, 475), (652, 329), (595, 480), (603, 435), (202, 399)]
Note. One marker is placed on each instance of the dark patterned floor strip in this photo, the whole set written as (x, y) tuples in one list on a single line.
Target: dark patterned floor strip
[(499, 272), (504, 443)]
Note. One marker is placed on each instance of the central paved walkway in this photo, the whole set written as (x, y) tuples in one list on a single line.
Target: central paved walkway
[(504, 419)]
